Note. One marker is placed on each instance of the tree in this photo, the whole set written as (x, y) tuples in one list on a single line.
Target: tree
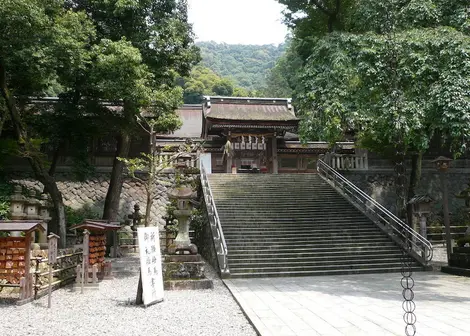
[(347, 73), (34, 35), (156, 40), (246, 66), (205, 82), (153, 164)]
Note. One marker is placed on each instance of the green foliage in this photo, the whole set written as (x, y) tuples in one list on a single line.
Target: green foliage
[(78, 216), (197, 224), (6, 190), (205, 82), (345, 79), (246, 65), (171, 223), (462, 241)]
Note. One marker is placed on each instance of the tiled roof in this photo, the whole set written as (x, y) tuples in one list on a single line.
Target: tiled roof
[(249, 109), (21, 225), (191, 116)]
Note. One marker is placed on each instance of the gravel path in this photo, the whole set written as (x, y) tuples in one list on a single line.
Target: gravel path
[(108, 311)]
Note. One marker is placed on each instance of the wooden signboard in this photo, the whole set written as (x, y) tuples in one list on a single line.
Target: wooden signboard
[(151, 276), (52, 248)]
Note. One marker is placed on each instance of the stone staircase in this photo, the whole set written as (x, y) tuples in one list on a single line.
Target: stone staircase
[(297, 224)]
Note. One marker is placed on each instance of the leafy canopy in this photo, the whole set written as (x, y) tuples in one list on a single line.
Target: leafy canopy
[(358, 78)]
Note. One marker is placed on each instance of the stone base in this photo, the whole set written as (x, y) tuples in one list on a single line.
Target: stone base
[(460, 257), (179, 247), (456, 271), (188, 284), (184, 271), (182, 258)]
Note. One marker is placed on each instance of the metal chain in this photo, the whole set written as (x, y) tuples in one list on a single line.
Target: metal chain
[(407, 281)]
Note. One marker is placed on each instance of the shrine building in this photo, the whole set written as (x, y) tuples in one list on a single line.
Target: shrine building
[(248, 135)]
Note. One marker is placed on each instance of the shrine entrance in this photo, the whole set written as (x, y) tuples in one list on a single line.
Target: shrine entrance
[(249, 153)]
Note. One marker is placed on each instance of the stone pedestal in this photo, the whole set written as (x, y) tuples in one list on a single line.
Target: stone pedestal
[(185, 271), (459, 263)]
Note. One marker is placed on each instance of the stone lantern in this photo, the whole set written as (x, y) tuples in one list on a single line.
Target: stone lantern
[(182, 243), (17, 207), (422, 209), (44, 214), (17, 204), (32, 206), (465, 195), (183, 161)]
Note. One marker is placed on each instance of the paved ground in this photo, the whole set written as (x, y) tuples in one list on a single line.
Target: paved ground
[(354, 304)]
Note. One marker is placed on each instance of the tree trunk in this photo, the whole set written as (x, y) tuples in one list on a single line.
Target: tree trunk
[(415, 177), (148, 208), (40, 171), (3, 118), (111, 204)]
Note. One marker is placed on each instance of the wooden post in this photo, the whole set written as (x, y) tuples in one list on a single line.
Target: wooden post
[(274, 155), (51, 259), (139, 299), (50, 287), (27, 261), (86, 242)]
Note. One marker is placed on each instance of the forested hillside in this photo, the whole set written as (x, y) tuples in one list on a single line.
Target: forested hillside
[(247, 65)]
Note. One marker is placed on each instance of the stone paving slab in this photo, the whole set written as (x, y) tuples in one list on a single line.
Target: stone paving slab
[(369, 304)]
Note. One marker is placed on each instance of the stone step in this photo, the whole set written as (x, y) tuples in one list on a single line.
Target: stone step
[(262, 274), (310, 206), (295, 236), (302, 250), (313, 248), (286, 225), (307, 253), (235, 259), (309, 215), (279, 231), (291, 268), (306, 240), (256, 264), (291, 224), (246, 226)]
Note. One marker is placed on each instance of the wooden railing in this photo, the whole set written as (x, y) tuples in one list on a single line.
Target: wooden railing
[(166, 159), (64, 272), (347, 161)]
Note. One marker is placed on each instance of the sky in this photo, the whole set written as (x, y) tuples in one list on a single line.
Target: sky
[(238, 21)]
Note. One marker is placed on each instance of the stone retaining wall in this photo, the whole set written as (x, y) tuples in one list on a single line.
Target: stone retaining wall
[(92, 193), (380, 185)]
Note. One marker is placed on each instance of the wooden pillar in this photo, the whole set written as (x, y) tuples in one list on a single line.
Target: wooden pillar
[(229, 157), (274, 155), (229, 165), (27, 262)]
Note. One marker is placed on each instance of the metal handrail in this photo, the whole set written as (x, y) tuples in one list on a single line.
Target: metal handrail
[(404, 235), (216, 227)]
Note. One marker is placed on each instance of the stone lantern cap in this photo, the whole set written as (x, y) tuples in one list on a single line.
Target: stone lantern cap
[(442, 162), (17, 194), (32, 198), (45, 201), (181, 193)]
